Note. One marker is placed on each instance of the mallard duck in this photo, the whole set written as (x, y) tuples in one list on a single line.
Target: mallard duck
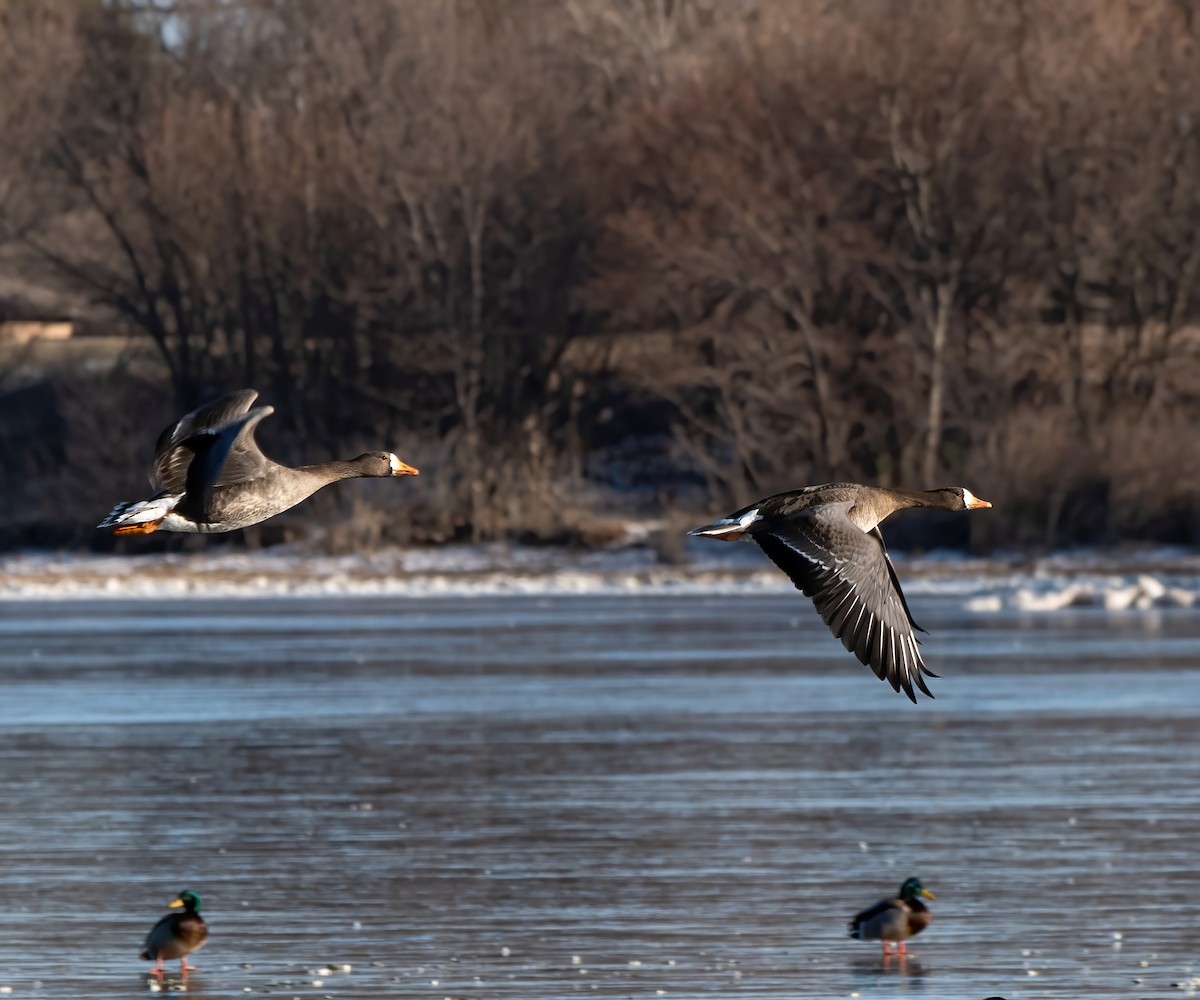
[(177, 935), (895, 920), (211, 476), (827, 540)]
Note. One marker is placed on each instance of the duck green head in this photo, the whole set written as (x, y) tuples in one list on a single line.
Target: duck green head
[(189, 900), (912, 889)]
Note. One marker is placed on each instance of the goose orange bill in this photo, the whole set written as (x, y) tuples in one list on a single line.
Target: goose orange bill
[(975, 503), (404, 469)]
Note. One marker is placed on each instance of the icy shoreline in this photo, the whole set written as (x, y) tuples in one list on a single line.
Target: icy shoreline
[(1111, 580)]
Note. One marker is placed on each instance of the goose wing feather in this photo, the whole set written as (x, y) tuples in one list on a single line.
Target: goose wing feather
[(853, 584), (173, 452), (216, 461), (210, 447), (244, 460)]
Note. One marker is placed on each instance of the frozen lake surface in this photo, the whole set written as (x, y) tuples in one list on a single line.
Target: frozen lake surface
[(616, 796)]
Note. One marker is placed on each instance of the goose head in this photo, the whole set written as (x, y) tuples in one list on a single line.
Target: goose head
[(960, 498), (383, 463)]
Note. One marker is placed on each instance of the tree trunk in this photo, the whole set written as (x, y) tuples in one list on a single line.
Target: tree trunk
[(944, 299), (471, 377), (826, 456)]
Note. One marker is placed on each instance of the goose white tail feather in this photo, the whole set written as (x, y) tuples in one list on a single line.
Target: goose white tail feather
[(733, 527), (140, 511), (723, 527)]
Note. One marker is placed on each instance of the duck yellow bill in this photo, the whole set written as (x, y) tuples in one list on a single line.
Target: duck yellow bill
[(175, 903), (976, 503), (925, 892)]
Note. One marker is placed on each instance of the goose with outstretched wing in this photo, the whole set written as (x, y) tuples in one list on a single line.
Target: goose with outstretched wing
[(210, 476), (827, 540)]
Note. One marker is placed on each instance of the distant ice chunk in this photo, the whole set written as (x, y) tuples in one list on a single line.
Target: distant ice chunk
[(1071, 596), (985, 604)]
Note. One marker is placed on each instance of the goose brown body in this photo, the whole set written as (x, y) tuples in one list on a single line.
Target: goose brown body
[(210, 475), (827, 540)]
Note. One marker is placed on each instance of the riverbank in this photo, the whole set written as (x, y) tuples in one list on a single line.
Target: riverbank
[(1116, 580)]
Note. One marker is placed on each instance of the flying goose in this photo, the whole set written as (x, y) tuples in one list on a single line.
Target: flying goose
[(210, 475), (177, 935), (895, 920), (827, 540)]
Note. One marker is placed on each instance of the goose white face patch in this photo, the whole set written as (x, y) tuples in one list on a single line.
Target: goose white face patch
[(969, 498), (395, 463)]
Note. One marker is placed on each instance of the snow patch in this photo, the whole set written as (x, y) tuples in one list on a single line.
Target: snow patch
[(983, 586)]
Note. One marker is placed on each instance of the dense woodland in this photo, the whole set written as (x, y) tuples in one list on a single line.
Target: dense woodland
[(583, 257)]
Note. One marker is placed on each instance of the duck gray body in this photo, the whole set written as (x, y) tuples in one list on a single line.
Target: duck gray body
[(210, 475), (176, 935), (896, 919), (827, 540)]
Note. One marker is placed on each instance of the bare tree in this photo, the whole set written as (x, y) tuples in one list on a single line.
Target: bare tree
[(760, 242)]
